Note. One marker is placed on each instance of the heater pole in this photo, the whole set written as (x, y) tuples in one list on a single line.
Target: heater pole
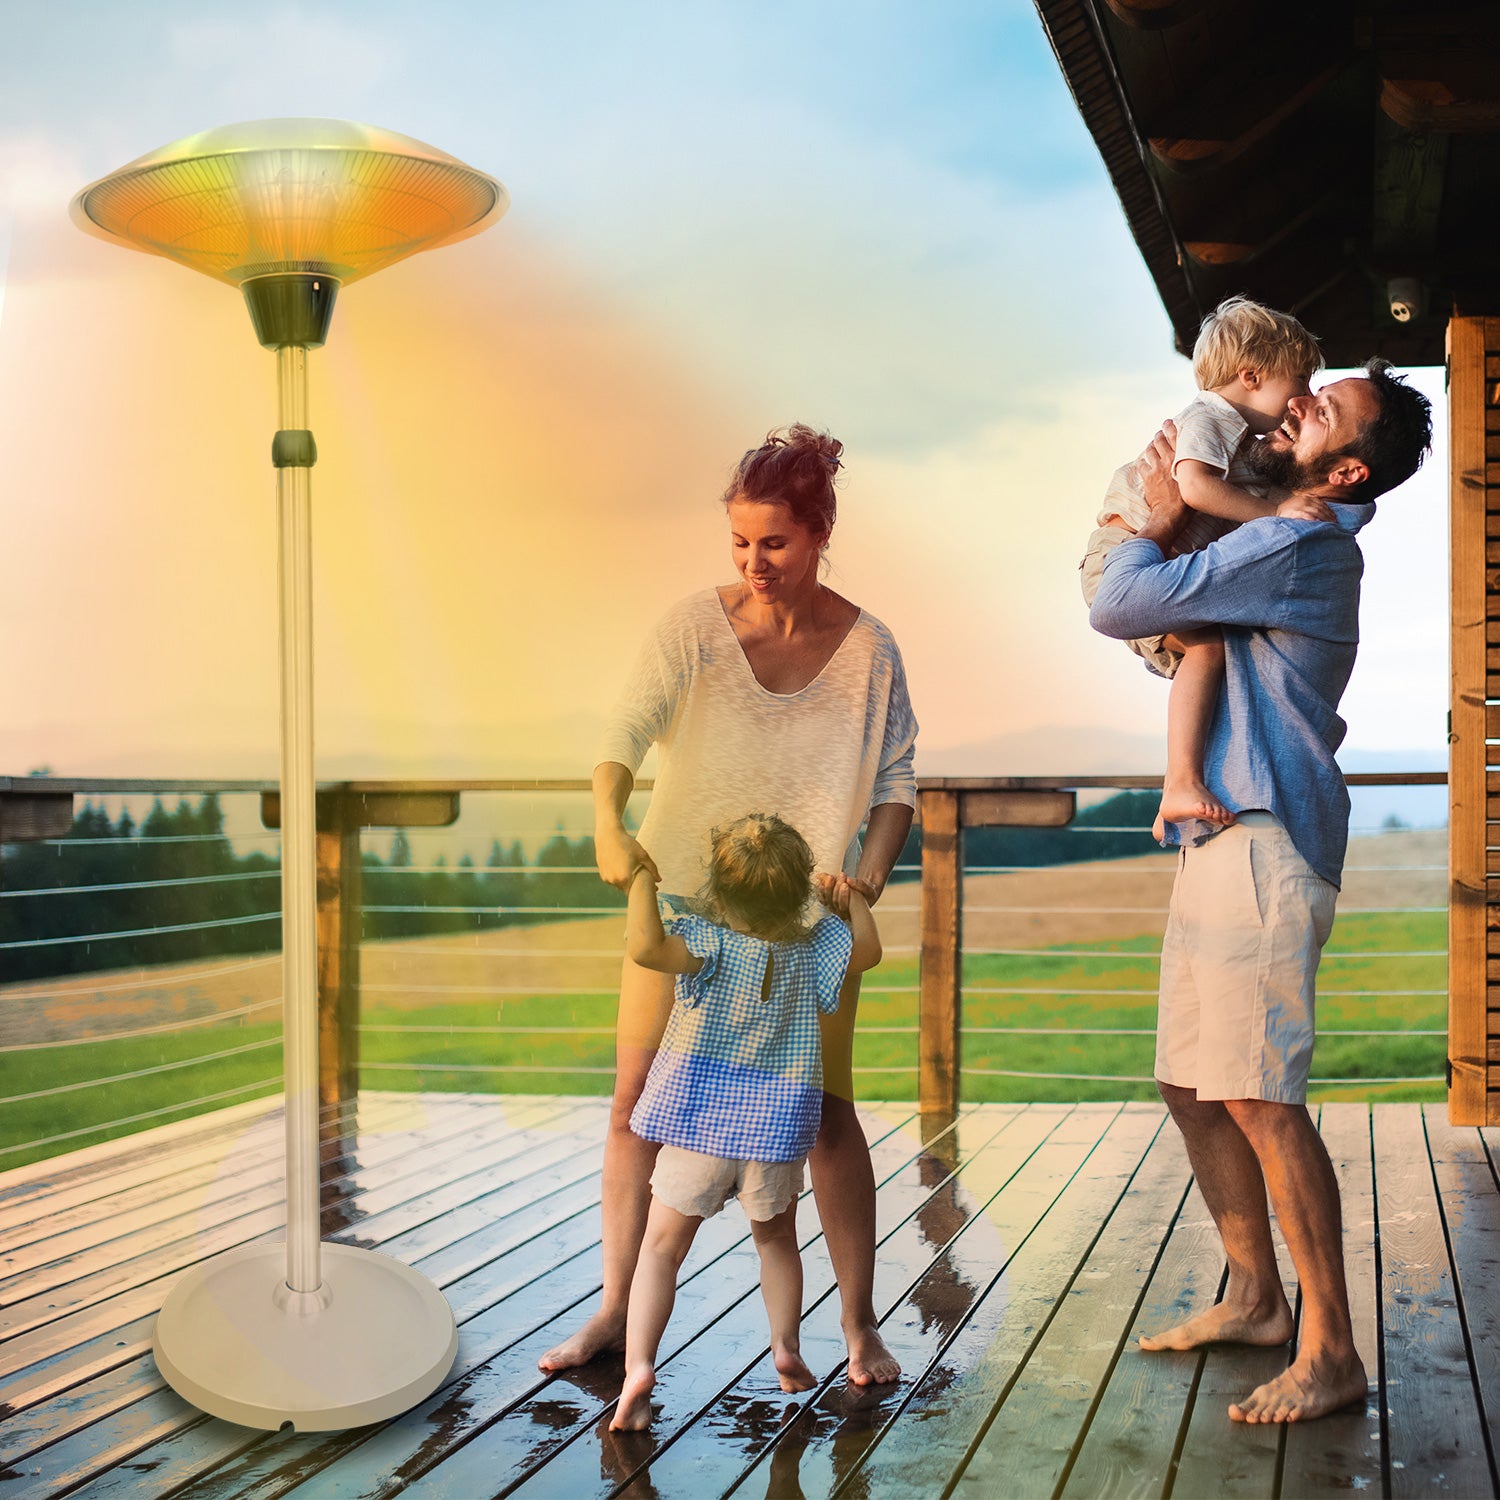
[(293, 459)]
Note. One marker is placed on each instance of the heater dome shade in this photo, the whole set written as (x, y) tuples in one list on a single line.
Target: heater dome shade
[(270, 197)]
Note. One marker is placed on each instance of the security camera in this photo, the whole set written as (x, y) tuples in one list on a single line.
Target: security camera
[(1404, 294)]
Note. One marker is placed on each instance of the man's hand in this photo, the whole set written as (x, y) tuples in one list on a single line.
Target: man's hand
[(1154, 469), (619, 856), (1299, 507)]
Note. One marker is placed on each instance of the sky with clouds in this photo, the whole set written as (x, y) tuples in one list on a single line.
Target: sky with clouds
[(883, 219)]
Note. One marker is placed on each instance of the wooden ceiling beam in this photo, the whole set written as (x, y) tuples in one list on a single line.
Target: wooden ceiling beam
[(1440, 70), (1156, 15), (1215, 124)]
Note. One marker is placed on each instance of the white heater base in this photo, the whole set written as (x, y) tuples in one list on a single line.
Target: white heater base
[(369, 1344)]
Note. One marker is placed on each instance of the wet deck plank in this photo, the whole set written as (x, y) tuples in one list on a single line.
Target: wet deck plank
[(1022, 1251)]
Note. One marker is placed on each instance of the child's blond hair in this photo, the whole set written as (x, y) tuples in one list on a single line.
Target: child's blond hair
[(1243, 335), (761, 870)]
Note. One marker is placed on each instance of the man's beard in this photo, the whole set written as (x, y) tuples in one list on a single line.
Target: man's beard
[(1276, 466)]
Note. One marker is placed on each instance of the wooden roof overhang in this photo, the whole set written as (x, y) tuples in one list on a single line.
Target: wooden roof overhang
[(1305, 154)]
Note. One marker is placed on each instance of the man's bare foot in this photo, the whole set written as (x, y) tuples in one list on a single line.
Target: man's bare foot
[(633, 1409), (795, 1376), (600, 1335), (1182, 801), (1306, 1389), (870, 1362), (1223, 1324)]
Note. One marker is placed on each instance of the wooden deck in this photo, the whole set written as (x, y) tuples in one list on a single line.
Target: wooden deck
[(1021, 1250)]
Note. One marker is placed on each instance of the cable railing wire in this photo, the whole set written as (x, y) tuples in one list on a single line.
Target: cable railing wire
[(104, 937), (178, 976), (116, 1036), (188, 1062), (148, 1114), (472, 881)]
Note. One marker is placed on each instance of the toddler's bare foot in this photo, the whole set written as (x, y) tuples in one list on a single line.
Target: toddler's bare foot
[(870, 1362), (1183, 800), (1308, 1388), (1224, 1324), (795, 1376), (600, 1335), (633, 1410)]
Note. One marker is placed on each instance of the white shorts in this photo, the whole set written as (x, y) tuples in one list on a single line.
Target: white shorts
[(699, 1185), (1248, 921), (1150, 649)]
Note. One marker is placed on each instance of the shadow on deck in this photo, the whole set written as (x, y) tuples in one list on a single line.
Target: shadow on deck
[(1021, 1251)]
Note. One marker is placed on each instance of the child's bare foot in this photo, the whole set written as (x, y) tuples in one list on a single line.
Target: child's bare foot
[(795, 1376), (870, 1362), (1182, 801), (633, 1410)]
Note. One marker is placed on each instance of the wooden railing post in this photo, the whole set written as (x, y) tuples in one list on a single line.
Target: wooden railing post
[(947, 808), (338, 947), (343, 811), (942, 952)]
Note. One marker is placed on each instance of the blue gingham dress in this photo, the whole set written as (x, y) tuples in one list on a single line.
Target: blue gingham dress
[(736, 1075)]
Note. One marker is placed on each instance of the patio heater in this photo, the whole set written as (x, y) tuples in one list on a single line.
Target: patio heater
[(319, 1336)]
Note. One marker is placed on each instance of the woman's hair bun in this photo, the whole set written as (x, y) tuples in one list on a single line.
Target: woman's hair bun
[(796, 466), (800, 435)]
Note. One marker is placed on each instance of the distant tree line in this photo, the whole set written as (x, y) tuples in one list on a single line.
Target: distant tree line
[(1035, 847), (102, 877), (105, 866)]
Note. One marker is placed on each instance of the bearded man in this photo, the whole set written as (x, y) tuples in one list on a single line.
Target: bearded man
[(1253, 902)]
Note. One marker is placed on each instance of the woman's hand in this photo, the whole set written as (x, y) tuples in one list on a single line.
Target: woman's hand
[(619, 856), (833, 891)]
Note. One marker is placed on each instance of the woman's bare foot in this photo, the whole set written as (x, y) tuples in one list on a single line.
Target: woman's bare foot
[(633, 1409), (1182, 801), (870, 1362), (600, 1335), (1306, 1389), (795, 1376), (1224, 1324)]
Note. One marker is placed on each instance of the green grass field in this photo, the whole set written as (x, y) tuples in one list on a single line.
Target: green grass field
[(1356, 994), (1044, 989)]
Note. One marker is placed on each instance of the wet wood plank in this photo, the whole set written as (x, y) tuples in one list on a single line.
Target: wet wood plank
[(1050, 1405), (1436, 1443), (1342, 1454), (1029, 1228), (551, 1204), (742, 1424), (1022, 1252), (1471, 1210), (720, 1294)]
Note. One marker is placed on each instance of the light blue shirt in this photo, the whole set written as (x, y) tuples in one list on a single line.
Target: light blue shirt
[(1286, 594), (736, 1075)]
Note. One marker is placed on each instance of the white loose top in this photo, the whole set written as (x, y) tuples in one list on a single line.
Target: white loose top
[(820, 758)]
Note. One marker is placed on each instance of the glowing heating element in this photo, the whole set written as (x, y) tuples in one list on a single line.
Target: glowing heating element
[(273, 197)]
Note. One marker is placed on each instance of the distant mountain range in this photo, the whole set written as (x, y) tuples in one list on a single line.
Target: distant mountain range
[(564, 747)]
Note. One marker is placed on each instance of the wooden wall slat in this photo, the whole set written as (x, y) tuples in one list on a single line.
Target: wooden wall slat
[(1471, 522)]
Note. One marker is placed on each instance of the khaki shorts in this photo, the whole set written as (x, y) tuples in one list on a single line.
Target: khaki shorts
[(1150, 649), (1248, 922), (699, 1185)]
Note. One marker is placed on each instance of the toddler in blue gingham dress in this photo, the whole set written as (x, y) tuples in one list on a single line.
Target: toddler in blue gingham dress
[(735, 1092)]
